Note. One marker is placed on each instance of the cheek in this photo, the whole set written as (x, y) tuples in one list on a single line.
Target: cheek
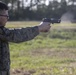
[(0, 18), (3, 20)]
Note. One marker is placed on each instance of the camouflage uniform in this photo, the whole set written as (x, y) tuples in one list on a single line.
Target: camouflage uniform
[(13, 35)]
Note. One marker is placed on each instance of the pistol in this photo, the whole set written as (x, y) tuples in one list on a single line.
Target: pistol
[(51, 20)]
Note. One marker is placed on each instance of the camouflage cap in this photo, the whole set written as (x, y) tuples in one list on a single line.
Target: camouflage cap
[(3, 6)]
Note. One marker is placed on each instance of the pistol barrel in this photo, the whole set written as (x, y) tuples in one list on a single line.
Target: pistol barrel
[(51, 20)]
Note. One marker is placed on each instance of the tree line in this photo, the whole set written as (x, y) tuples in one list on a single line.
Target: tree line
[(38, 9)]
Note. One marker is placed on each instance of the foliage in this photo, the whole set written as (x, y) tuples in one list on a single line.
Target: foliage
[(37, 9)]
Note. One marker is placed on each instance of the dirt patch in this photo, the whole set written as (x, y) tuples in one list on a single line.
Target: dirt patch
[(59, 53), (62, 70), (22, 72)]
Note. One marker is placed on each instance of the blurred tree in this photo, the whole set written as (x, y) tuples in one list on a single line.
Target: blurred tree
[(72, 6), (55, 9), (37, 9), (6, 1), (63, 6)]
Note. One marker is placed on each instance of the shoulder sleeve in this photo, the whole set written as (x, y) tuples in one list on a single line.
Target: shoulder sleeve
[(21, 35)]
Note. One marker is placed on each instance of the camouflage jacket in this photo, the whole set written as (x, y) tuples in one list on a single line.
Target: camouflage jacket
[(13, 35)]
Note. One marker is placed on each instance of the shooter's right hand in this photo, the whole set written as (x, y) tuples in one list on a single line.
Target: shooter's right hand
[(44, 26)]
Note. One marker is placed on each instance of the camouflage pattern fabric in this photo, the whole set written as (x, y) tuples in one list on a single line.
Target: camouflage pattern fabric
[(13, 35), (4, 73)]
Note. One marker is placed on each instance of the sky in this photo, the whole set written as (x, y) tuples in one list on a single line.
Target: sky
[(52, 0), (47, 2), (58, 0)]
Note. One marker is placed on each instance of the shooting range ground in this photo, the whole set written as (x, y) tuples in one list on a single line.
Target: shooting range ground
[(51, 53)]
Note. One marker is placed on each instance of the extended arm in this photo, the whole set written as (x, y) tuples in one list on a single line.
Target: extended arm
[(25, 34), (21, 35)]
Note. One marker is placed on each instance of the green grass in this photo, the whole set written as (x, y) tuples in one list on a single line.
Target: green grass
[(51, 53)]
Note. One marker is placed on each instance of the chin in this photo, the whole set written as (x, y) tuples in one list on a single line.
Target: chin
[(2, 25)]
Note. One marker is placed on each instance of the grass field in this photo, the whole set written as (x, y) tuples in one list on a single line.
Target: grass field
[(51, 53)]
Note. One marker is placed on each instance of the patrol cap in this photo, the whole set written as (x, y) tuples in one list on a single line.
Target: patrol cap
[(3, 6)]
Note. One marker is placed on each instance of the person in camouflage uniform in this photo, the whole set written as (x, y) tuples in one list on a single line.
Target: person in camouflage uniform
[(14, 35)]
